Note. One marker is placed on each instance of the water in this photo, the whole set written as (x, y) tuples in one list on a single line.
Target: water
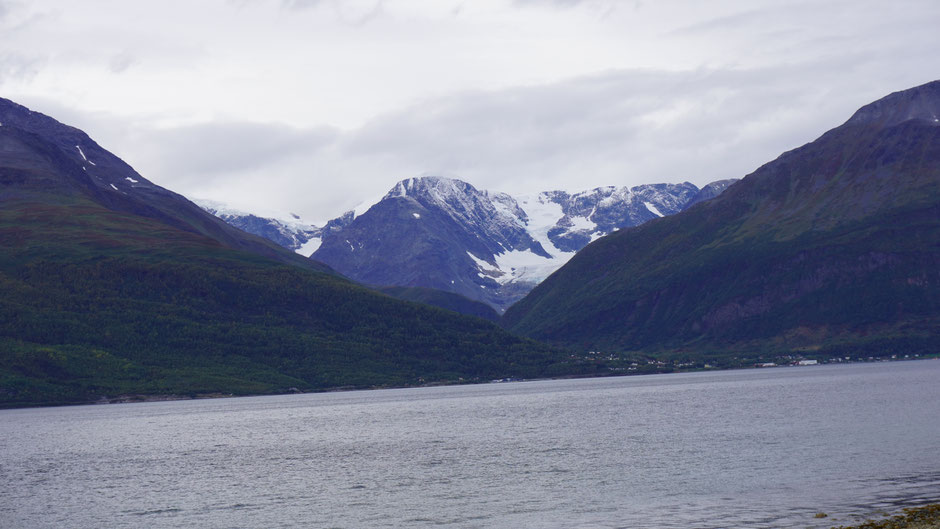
[(756, 448)]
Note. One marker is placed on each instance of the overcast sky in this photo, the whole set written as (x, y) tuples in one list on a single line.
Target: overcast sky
[(312, 106)]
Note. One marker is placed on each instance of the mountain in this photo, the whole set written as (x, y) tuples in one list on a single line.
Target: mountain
[(710, 191), (445, 234), (832, 249), (444, 300), (111, 285), (46, 160)]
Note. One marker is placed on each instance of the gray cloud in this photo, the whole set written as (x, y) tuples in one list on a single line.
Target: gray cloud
[(300, 4), (221, 148), (551, 3), (121, 62), (734, 86), (19, 67), (624, 127)]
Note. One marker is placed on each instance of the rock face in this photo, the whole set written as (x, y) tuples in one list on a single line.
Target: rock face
[(834, 246), (445, 234)]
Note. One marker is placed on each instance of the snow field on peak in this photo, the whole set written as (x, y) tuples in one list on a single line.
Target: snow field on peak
[(220, 209), (524, 265), (310, 246), (582, 224)]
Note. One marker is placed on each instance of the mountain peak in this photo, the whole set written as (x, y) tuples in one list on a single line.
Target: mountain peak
[(430, 186), (918, 103)]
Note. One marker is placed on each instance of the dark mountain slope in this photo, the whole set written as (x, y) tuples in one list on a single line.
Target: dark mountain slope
[(833, 246), (47, 160), (132, 291), (444, 300)]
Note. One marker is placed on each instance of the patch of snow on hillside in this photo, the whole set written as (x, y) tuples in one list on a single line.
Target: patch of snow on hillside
[(582, 224), (131, 180), (528, 267), (364, 206), (80, 152), (486, 269), (652, 208), (113, 187), (416, 215), (309, 247), (218, 208)]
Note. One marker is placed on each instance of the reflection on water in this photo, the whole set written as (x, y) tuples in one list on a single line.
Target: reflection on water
[(759, 448)]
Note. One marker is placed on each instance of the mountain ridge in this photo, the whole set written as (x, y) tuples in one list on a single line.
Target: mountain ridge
[(443, 233), (831, 244), (108, 289)]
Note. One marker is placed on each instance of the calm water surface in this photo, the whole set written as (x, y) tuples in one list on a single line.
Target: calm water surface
[(756, 448)]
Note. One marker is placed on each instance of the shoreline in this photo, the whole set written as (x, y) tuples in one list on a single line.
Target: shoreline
[(137, 398), (924, 517)]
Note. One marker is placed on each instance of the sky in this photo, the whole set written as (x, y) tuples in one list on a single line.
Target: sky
[(314, 106)]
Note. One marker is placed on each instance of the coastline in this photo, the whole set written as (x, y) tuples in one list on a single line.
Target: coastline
[(926, 517)]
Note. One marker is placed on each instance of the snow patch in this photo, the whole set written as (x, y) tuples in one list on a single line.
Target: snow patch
[(131, 180), (364, 206), (524, 265), (351, 248), (582, 224), (307, 248), (486, 269), (416, 215), (652, 208), (220, 209), (114, 187), (82, 153)]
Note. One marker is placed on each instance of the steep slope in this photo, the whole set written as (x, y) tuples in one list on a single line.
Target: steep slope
[(46, 160), (832, 247), (832, 240), (445, 234), (110, 285)]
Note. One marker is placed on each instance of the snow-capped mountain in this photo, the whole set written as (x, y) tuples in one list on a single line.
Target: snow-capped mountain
[(445, 234), (289, 231), (492, 247)]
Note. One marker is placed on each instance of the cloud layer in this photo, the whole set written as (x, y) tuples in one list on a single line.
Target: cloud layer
[(313, 106)]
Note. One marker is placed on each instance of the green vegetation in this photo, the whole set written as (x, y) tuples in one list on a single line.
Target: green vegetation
[(832, 249), (100, 303), (444, 300)]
